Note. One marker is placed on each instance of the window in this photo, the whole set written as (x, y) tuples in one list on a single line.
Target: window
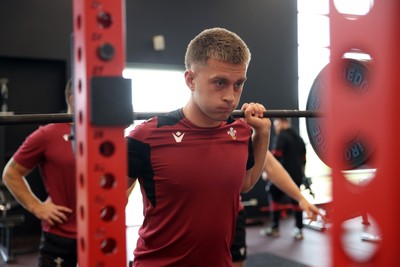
[(313, 55), (156, 89)]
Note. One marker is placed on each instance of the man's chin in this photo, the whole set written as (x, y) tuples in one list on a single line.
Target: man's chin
[(222, 117)]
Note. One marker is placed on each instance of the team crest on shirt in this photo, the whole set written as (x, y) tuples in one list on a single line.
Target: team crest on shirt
[(232, 133)]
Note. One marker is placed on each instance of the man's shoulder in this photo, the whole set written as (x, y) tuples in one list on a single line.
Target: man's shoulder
[(55, 128), (151, 125), (169, 119)]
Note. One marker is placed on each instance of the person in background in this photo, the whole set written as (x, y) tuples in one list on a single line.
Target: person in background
[(49, 148), (290, 150), (277, 174)]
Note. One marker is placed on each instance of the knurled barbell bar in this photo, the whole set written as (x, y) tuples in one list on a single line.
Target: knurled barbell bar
[(65, 117)]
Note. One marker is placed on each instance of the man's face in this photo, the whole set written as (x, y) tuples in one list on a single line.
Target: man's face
[(216, 88)]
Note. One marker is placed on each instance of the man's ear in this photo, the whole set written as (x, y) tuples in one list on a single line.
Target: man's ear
[(71, 102), (189, 79)]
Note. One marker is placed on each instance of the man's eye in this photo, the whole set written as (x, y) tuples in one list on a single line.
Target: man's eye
[(220, 83), (239, 85)]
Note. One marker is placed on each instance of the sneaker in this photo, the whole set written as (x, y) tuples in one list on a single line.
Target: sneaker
[(298, 234), (274, 232)]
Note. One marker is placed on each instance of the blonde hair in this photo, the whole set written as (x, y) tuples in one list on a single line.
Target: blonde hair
[(218, 43)]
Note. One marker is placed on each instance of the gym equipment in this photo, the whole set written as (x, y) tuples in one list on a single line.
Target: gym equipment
[(101, 240), (3, 94), (307, 182), (7, 223), (355, 77), (373, 116), (370, 237), (62, 117)]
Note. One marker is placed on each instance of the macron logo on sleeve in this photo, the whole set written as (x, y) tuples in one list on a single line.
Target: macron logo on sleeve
[(178, 136)]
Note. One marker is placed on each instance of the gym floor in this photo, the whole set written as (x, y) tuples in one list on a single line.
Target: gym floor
[(314, 250)]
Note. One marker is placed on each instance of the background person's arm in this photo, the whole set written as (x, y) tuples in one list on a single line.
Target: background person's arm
[(14, 178), (276, 173)]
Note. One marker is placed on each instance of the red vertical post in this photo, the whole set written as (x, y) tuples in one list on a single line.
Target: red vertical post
[(100, 150), (373, 115)]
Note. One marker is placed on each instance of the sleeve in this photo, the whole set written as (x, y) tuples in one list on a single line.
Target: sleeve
[(138, 157), (31, 151), (139, 166), (250, 159)]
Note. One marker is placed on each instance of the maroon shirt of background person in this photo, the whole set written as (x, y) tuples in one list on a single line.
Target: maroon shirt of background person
[(50, 150)]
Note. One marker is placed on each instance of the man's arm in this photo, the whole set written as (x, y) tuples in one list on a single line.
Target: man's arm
[(261, 126), (14, 178), (281, 178), (277, 174)]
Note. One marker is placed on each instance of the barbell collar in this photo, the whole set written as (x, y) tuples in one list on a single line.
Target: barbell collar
[(66, 117)]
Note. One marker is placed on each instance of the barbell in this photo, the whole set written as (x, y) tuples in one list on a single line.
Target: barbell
[(65, 117), (355, 73)]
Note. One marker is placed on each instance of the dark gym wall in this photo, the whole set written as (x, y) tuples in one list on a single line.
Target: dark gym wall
[(39, 29), (42, 29), (268, 27)]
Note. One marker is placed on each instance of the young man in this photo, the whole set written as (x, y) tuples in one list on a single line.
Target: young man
[(49, 149), (193, 163)]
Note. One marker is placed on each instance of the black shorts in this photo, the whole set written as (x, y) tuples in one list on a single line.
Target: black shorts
[(56, 251), (238, 247)]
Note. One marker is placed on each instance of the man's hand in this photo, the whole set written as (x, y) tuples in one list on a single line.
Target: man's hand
[(254, 116), (50, 213), (311, 210)]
